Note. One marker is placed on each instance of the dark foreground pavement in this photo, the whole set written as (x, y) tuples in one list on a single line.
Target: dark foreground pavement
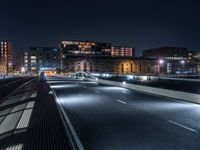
[(113, 118), (29, 120)]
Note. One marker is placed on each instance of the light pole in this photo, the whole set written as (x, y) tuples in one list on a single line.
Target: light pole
[(22, 70), (161, 62), (183, 67)]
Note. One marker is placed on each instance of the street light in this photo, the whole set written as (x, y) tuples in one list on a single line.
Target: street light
[(182, 62), (183, 67), (22, 69), (161, 61)]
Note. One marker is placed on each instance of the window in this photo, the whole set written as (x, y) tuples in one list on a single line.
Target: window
[(33, 57)]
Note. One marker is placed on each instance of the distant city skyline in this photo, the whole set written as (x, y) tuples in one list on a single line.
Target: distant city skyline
[(141, 24)]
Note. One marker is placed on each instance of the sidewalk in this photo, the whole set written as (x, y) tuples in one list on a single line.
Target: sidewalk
[(29, 120)]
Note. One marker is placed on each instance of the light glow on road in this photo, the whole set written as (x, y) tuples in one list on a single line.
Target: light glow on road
[(64, 86), (153, 106), (78, 100), (112, 88)]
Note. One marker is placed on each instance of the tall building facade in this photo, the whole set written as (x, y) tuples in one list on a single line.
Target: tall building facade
[(41, 59), (122, 51), (3, 68), (169, 53), (19, 61), (197, 60), (6, 55), (176, 60), (85, 48)]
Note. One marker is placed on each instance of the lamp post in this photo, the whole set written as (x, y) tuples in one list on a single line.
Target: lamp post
[(161, 62), (22, 70), (183, 63)]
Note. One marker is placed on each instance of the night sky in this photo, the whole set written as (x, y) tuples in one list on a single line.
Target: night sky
[(141, 24)]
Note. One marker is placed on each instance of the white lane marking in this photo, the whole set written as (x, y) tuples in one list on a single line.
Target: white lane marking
[(124, 92), (183, 126), (97, 92), (121, 101)]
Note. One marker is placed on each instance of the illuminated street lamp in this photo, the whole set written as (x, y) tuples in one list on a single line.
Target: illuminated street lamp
[(182, 62), (161, 61), (22, 69), (183, 67)]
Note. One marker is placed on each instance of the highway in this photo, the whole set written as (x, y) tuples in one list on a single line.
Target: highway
[(114, 118)]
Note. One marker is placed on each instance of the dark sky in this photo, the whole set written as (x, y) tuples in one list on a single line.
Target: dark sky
[(141, 24)]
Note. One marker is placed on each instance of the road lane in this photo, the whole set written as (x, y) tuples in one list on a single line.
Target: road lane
[(143, 123)]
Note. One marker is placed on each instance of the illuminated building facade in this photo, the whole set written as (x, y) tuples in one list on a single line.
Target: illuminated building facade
[(169, 53), (41, 59), (20, 61), (122, 51), (85, 48), (197, 60), (3, 69), (176, 60), (6, 55), (109, 64)]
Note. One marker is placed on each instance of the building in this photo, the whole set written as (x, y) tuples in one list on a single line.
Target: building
[(85, 48), (122, 51), (169, 53), (3, 68), (109, 64), (6, 55), (20, 61), (176, 60), (41, 59), (197, 55), (197, 60)]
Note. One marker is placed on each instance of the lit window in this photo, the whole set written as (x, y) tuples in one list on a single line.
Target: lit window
[(33, 57)]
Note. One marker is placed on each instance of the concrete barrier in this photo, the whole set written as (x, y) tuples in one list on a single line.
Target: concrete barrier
[(185, 96)]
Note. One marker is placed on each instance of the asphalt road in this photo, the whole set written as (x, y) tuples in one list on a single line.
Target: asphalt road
[(113, 118), (9, 85)]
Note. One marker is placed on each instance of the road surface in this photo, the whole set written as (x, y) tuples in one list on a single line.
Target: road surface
[(114, 118)]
